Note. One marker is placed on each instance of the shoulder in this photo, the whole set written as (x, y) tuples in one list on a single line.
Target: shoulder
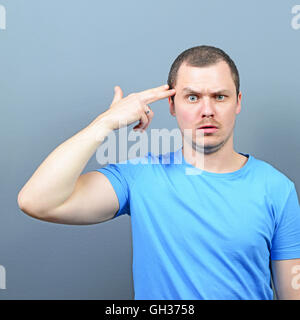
[(277, 184), (274, 176)]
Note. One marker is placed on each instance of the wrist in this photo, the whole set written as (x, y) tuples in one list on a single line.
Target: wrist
[(98, 129), (103, 122)]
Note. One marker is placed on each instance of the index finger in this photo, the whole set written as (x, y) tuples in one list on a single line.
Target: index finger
[(157, 93)]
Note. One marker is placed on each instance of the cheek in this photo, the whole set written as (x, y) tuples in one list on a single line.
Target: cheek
[(185, 118), (230, 119)]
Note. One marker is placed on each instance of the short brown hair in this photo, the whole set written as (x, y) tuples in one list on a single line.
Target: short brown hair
[(202, 56)]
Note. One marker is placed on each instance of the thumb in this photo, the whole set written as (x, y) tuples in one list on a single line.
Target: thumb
[(118, 94)]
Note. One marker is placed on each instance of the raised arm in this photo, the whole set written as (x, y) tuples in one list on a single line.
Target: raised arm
[(57, 192)]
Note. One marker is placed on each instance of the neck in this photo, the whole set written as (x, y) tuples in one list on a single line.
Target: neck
[(223, 160)]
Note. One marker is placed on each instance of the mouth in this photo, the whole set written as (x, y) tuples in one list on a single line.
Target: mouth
[(209, 129)]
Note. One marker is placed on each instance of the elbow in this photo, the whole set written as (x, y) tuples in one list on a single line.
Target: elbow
[(29, 207), (21, 201), (25, 205)]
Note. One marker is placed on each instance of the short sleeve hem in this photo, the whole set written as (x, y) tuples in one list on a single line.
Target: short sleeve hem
[(285, 256), (117, 187)]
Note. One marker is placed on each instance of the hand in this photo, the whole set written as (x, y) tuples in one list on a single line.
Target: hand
[(124, 111)]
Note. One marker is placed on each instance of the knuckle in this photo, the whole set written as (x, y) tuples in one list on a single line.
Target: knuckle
[(136, 98), (141, 108), (133, 96)]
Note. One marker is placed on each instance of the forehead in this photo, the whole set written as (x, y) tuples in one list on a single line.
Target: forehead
[(209, 77)]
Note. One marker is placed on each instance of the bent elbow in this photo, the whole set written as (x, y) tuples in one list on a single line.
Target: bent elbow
[(24, 205)]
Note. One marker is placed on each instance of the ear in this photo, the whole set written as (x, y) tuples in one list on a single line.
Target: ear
[(239, 103), (172, 106)]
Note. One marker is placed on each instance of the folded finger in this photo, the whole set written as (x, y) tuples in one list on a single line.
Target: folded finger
[(143, 122)]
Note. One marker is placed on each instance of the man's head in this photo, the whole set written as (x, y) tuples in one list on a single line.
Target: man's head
[(207, 83), (203, 56)]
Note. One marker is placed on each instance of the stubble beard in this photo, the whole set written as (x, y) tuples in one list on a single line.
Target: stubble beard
[(207, 148)]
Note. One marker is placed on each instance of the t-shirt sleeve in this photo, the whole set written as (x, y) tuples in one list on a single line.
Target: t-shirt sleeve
[(114, 174), (122, 176), (286, 237)]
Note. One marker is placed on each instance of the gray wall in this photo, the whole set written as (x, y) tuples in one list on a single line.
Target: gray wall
[(59, 61)]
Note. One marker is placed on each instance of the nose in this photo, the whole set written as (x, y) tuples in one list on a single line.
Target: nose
[(207, 107)]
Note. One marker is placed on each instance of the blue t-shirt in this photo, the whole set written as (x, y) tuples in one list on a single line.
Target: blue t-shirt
[(206, 235)]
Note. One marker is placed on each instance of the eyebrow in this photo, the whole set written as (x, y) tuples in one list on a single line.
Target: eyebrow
[(191, 90)]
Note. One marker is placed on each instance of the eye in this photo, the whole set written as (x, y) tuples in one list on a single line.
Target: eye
[(194, 97), (220, 95)]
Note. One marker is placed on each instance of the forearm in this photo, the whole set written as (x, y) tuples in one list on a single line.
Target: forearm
[(54, 180), (286, 278)]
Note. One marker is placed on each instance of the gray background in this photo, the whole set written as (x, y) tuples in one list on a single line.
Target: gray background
[(59, 61)]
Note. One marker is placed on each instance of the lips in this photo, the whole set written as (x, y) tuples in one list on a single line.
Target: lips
[(208, 126), (209, 130)]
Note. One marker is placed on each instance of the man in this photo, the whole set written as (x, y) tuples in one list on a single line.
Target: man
[(219, 234)]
